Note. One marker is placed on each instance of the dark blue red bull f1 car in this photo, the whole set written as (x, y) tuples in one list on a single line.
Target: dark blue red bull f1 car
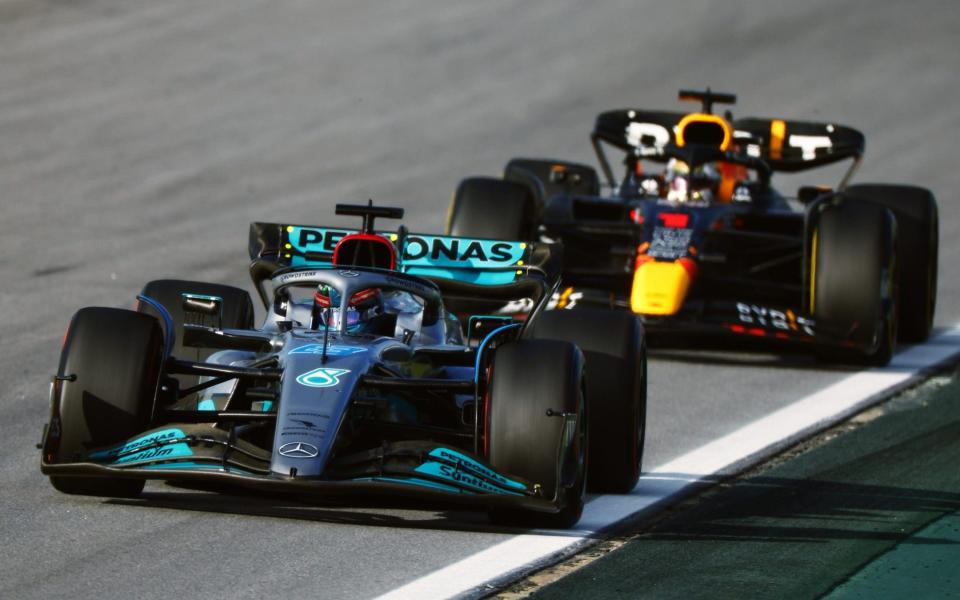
[(694, 238), (357, 381)]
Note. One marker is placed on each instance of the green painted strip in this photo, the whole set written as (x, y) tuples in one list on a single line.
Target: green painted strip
[(922, 566)]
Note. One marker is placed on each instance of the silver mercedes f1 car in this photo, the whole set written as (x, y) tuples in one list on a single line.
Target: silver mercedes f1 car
[(357, 381)]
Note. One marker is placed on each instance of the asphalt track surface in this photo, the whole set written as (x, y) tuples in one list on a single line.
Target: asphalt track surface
[(138, 139)]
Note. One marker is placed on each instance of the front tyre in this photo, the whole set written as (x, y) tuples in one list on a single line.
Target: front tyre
[(853, 274), (110, 369), (533, 383), (616, 368), (917, 248)]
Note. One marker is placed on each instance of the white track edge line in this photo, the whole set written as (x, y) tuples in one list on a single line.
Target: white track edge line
[(482, 572)]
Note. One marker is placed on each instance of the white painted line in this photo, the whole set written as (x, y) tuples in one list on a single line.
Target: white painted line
[(726, 455)]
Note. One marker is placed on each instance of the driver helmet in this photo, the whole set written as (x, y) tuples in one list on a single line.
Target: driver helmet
[(686, 185), (363, 306)]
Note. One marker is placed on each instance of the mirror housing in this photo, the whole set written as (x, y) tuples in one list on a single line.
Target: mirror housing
[(200, 309)]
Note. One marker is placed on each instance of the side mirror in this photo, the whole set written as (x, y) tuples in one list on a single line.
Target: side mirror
[(559, 174), (199, 309), (809, 193), (479, 326)]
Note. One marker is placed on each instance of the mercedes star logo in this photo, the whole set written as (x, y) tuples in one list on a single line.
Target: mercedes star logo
[(299, 450), (348, 273)]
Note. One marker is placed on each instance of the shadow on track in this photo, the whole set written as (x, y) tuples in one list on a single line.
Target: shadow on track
[(777, 509), (370, 511)]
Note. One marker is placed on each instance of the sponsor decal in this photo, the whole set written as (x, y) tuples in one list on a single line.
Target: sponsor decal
[(348, 273), (809, 144), (784, 320), (332, 350), (462, 477), (157, 445), (312, 415), (437, 251), (658, 134), (299, 450), (519, 306), (471, 464), (419, 250), (323, 240), (559, 300), (323, 377), (670, 243), (482, 262), (313, 425), (409, 285), (296, 275)]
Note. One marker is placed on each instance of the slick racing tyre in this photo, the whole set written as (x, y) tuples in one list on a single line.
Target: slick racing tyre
[(853, 275), (110, 369), (917, 246), (532, 383), (551, 177), (613, 347), (485, 207)]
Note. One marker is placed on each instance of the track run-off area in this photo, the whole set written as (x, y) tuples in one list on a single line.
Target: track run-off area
[(139, 139)]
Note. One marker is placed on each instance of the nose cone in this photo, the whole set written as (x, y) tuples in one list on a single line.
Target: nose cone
[(659, 288)]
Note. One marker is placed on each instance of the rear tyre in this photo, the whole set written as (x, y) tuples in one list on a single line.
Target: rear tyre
[(917, 247), (530, 378), (551, 177), (116, 356), (485, 207), (854, 278), (616, 369)]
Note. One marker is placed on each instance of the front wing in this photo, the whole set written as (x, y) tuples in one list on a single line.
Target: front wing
[(197, 454)]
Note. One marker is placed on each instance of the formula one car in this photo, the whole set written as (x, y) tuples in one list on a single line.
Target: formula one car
[(695, 239), (358, 380)]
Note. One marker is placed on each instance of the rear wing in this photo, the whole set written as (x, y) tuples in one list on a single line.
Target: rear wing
[(792, 146), (474, 261), (786, 146)]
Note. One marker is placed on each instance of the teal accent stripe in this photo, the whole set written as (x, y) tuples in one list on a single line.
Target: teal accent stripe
[(157, 445), (461, 477), (478, 468)]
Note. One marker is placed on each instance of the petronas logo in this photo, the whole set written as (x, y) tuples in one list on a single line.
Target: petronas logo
[(322, 377)]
